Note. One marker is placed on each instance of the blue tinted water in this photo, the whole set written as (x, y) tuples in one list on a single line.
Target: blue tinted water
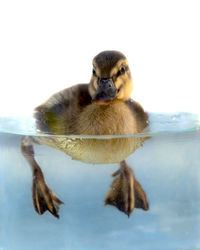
[(167, 166)]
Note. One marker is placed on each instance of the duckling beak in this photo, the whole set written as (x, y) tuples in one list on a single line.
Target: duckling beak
[(106, 90)]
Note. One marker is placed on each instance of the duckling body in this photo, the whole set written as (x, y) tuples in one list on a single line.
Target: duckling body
[(102, 107), (115, 118)]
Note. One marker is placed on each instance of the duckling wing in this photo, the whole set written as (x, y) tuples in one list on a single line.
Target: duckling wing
[(140, 115), (54, 116)]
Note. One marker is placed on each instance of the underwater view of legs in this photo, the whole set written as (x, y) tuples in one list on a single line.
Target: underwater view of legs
[(43, 197), (125, 193)]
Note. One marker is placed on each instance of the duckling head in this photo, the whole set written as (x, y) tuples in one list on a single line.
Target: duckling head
[(111, 78)]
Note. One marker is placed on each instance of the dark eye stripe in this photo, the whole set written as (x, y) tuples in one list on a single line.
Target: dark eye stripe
[(94, 72), (118, 73), (120, 87), (122, 70), (93, 86)]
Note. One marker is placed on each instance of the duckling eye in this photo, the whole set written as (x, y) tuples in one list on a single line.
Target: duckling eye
[(121, 71), (94, 72)]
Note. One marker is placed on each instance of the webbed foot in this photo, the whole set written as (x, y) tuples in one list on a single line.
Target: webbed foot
[(126, 193), (43, 197)]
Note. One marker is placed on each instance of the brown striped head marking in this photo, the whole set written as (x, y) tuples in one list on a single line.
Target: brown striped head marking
[(113, 66)]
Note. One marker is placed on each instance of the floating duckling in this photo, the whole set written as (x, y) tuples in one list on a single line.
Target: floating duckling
[(102, 107)]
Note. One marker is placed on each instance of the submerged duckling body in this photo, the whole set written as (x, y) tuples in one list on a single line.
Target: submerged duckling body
[(102, 107)]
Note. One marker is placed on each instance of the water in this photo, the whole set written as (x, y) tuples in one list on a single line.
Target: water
[(167, 167)]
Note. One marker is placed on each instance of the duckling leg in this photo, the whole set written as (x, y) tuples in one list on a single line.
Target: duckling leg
[(126, 193), (43, 197)]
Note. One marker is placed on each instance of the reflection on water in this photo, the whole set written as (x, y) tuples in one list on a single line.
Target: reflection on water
[(167, 167)]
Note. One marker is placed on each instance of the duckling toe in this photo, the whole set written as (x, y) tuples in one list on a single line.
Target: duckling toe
[(44, 198), (121, 193), (140, 197), (126, 193)]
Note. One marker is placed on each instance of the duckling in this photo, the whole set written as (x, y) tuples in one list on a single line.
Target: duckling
[(101, 107)]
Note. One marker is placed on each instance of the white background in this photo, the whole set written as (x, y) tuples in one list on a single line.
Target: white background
[(46, 46)]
